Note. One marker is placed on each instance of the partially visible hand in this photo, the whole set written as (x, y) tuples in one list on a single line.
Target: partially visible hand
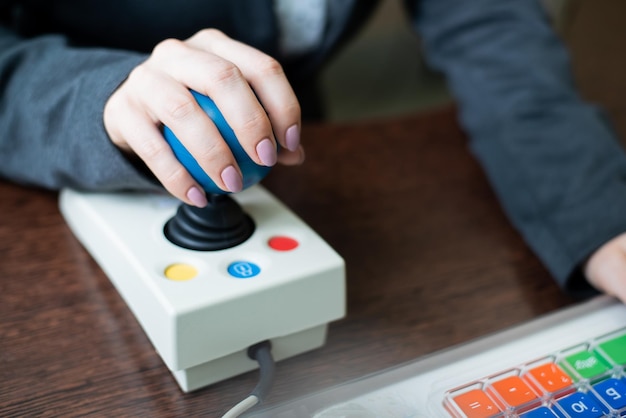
[(606, 268), (249, 88)]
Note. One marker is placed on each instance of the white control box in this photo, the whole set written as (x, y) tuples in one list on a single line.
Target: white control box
[(202, 309)]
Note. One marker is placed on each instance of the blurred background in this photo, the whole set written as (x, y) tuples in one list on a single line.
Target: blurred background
[(393, 80)]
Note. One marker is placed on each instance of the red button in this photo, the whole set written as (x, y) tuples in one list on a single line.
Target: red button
[(280, 243)]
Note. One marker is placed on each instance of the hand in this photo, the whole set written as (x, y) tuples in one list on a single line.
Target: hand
[(249, 88), (606, 268)]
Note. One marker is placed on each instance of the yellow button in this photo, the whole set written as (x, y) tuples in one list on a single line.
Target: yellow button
[(180, 272)]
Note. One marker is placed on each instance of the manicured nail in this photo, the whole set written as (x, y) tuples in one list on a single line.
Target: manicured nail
[(196, 197), (266, 152), (232, 179), (292, 137)]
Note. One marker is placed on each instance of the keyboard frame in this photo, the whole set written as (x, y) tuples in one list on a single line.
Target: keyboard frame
[(417, 388)]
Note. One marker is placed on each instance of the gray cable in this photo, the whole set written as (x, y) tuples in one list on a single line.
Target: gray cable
[(262, 353)]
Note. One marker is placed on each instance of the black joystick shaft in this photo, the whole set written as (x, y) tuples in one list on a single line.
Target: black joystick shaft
[(219, 225)]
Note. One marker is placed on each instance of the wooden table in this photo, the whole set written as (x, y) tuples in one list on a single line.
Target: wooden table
[(431, 262)]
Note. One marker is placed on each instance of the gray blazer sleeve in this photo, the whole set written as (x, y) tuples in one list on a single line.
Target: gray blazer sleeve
[(554, 162), (52, 97)]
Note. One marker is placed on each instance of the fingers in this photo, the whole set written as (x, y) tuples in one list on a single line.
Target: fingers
[(223, 81), (606, 268), (248, 87), (266, 77), (134, 130)]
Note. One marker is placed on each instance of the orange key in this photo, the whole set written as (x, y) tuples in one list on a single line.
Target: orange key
[(514, 391), (476, 404), (551, 377)]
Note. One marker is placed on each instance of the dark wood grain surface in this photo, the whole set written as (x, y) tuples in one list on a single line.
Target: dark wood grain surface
[(431, 262)]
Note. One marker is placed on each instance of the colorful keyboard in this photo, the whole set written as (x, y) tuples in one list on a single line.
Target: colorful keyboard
[(571, 363), (586, 380)]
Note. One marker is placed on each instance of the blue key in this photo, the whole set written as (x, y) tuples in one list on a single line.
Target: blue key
[(582, 405), (613, 392)]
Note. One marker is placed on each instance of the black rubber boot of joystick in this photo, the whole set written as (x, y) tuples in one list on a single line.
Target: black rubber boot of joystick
[(219, 225)]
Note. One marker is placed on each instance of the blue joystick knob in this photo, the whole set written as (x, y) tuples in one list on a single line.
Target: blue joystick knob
[(251, 171)]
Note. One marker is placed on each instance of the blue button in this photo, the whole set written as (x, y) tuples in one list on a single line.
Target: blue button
[(243, 269), (582, 405), (613, 392)]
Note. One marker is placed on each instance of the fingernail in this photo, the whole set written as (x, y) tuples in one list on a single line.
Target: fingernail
[(232, 179), (196, 197), (292, 137), (266, 152)]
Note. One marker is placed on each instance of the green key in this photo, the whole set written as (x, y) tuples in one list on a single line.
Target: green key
[(615, 349), (587, 364)]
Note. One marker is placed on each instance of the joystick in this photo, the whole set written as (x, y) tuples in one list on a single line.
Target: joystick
[(207, 284), (222, 223), (219, 225)]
